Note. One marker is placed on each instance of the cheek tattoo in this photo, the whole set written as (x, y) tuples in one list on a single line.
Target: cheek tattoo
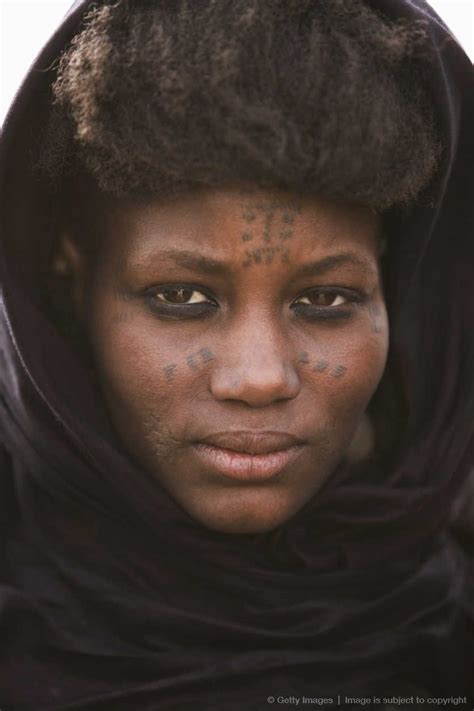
[(322, 366), (169, 372), (303, 358), (339, 371), (193, 362), (204, 355)]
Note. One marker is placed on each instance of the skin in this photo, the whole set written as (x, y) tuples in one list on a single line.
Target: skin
[(260, 352)]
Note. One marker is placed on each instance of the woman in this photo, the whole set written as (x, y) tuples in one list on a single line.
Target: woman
[(237, 354)]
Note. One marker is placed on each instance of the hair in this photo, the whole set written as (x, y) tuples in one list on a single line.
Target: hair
[(322, 98)]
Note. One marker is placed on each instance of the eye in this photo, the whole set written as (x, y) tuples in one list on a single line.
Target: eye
[(330, 303), (180, 301), (322, 298), (180, 295)]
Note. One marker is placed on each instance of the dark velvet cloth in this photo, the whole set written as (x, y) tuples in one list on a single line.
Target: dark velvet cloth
[(112, 597)]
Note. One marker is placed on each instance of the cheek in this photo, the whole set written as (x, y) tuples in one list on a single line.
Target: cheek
[(361, 370), (142, 389), (344, 371), (142, 371)]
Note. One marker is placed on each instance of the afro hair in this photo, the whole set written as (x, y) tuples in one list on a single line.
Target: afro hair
[(314, 97)]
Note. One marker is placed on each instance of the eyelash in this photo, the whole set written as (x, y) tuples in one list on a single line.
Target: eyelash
[(207, 309), (311, 312), (183, 311)]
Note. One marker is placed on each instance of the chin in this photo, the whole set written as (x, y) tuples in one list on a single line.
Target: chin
[(248, 526), (246, 513)]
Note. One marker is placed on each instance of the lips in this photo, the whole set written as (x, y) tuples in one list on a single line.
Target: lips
[(248, 456)]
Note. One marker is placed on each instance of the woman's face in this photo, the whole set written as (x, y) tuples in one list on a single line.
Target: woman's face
[(239, 336)]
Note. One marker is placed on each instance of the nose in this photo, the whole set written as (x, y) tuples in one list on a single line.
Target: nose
[(254, 367)]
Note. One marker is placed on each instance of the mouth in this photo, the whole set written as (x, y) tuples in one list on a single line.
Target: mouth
[(248, 456)]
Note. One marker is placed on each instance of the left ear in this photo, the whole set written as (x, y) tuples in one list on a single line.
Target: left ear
[(70, 262)]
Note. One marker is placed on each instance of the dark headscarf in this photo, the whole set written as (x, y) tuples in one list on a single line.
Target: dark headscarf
[(112, 597)]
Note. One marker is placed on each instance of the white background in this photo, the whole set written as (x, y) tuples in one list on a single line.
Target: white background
[(25, 25)]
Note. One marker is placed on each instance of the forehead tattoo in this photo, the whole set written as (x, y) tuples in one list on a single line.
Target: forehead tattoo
[(269, 229)]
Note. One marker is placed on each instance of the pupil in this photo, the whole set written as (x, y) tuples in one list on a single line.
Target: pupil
[(322, 299), (177, 296)]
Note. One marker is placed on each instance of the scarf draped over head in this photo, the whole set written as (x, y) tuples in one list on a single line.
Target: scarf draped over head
[(113, 597)]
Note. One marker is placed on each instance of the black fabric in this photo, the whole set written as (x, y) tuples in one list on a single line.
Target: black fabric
[(112, 597)]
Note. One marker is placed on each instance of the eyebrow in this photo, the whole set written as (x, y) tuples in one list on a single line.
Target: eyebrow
[(333, 261), (209, 265), (195, 262)]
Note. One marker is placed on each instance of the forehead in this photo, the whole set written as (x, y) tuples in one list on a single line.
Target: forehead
[(228, 222)]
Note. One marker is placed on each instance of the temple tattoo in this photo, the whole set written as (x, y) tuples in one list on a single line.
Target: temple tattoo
[(376, 317)]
